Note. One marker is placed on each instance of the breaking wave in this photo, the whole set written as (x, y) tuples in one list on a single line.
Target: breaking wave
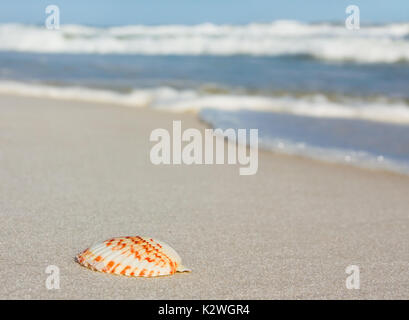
[(371, 44), (380, 109)]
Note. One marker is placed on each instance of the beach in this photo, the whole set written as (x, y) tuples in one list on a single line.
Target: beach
[(75, 173)]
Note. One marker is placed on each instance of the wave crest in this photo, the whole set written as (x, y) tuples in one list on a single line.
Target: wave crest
[(379, 109), (371, 44)]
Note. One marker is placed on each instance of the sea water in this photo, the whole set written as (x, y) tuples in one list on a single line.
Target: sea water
[(317, 90)]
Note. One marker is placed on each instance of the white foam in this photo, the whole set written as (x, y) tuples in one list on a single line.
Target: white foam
[(169, 99), (375, 44)]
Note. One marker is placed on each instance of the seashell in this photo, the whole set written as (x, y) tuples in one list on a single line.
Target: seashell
[(133, 257)]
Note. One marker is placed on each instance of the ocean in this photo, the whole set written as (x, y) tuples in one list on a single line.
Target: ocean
[(316, 90)]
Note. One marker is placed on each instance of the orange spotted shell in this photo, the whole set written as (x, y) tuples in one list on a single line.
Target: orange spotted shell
[(133, 257)]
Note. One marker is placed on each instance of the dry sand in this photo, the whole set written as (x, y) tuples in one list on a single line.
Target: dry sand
[(75, 173)]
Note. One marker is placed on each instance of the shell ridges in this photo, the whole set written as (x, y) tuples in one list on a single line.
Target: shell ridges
[(133, 257)]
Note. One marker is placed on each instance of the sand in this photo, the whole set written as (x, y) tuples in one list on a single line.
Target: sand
[(74, 173)]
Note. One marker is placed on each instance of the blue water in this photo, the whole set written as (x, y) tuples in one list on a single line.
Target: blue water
[(364, 143), (254, 74)]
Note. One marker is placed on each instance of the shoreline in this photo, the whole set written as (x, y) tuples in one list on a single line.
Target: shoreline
[(75, 173), (392, 168)]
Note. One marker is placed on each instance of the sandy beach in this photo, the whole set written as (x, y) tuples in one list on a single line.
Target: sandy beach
[(75, 173)]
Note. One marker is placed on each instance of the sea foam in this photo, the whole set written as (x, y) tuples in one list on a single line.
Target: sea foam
[(371, 44), (379, 109)]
